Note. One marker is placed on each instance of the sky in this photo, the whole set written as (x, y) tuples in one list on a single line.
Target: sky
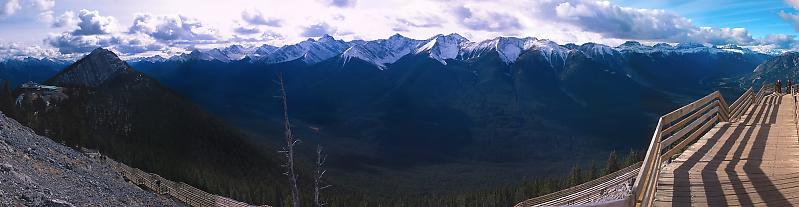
[(64, 28)]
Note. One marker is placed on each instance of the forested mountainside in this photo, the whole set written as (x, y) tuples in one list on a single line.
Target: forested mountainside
[(387, 108), (105, 104)]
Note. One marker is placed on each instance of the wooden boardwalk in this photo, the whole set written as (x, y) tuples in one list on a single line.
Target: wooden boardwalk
[(751, 162)]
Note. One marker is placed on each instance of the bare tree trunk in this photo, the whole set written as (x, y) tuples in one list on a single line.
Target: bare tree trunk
[(289, 148), (319, 171)]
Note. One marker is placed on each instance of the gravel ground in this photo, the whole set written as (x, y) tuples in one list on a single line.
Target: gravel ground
[(35, 171)]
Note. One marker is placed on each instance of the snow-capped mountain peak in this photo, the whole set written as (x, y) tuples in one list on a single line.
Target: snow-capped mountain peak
[(443, 47), (217, 54), (440, 48), (237, 52), (550, 50), (594, 50), (508, 48), (383, 51), (311, 51)]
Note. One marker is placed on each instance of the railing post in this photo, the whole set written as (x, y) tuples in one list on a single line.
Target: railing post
[(724, 110)]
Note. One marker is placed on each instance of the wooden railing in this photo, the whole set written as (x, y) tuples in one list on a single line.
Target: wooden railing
[(178, 190), (793, 91), (673, 133), (676, 130), (589, 192)]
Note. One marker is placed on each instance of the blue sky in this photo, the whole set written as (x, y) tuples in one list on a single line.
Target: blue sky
[(148, 27), (760, 17)]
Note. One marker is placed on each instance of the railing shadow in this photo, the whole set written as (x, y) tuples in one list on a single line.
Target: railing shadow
[(714, 194), (682, 187), (765, 188), (734, 177)]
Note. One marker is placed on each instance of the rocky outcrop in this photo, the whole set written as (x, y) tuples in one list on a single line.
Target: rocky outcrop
[(36, 171)]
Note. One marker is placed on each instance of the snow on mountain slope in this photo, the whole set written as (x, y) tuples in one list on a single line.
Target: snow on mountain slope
[(594, 50), (217, 54), (237, 52), (551, 51), (508, 48), (443, 47), (311, 51), (682, 48), (381, 52), (263, 50)]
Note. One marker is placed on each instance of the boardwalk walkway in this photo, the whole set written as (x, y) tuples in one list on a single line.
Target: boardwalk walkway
[(751, 162)]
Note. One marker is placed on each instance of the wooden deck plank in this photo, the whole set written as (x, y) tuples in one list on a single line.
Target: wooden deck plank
[(751, 162)]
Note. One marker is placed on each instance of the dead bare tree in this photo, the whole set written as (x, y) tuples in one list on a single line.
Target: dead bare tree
[(288, 150), (319, 171)]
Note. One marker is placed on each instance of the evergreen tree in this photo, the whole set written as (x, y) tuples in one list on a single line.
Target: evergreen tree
[(613, 163), (6, 99), (576, 176), (593, 172), (631, 158)]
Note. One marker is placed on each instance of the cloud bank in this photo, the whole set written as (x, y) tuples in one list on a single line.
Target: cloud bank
[(562, 21)]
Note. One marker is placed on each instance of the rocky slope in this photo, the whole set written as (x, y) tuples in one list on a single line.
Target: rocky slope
[(35, 171), (133, 119)]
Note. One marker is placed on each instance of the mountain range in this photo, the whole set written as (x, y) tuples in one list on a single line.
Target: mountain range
[(397, 114), (518, 107), (440, 47)]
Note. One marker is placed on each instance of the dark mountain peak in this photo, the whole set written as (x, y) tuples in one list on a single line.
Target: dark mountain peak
[(326, 38), (663, 46), (396, 36), (571, 46), (789, 54), (779, 67), (631, 44), (453, 36), (102, 51), (92, 70)]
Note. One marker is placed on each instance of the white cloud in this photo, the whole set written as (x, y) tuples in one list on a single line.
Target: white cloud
[(340, 3), (67, 43), (242, 22), (255, 17), (67, 19), (790, 17), (94, 30), (173, 28), (478, 19), (90, 22), (318, 30), (16, 50), (722, 36), (245, 30), (793, 3), (43, 5), (9, 7), (621, 22)]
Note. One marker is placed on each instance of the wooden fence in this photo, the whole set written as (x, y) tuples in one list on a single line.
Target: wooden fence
[(589, 192), (673, 133), (178, 190), (676, 130)]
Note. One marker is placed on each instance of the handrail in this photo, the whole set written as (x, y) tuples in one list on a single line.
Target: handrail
[(793, 92), (673, 133), (178, 190), (681, 127), (581, 191)]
